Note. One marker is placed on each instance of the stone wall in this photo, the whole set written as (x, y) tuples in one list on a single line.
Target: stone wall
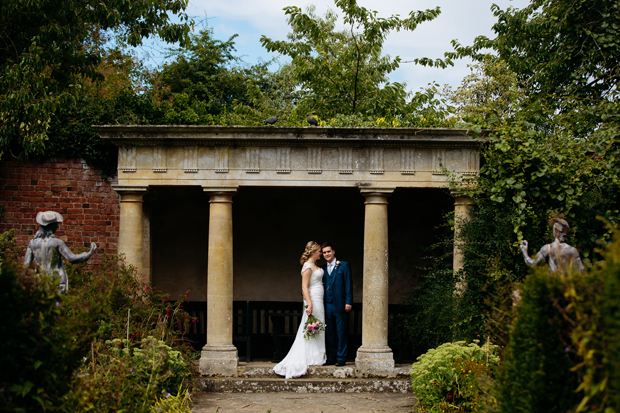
[(87, 202)]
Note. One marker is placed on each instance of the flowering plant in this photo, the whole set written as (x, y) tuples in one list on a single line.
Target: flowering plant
[(313, 326), (337, 264)]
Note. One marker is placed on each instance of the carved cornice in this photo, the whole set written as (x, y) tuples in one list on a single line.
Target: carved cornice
[(272, 156), (233, 136)]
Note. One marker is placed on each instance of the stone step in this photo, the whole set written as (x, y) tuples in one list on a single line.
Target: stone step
[(303, 385), (259, 377), (265, 369)]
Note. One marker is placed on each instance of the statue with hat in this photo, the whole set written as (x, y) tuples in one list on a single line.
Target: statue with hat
[(559, 255), (48, 251)]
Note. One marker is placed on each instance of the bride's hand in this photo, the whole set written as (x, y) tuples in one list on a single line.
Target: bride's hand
[(309, 309)]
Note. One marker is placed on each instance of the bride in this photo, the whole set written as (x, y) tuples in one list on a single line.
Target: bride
[(311, 351)]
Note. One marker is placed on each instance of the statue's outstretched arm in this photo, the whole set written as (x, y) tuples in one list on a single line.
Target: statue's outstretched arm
[(76, 258), (538, 258)]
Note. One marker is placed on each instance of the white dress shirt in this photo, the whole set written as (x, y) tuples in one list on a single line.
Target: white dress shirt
[(331, 266)]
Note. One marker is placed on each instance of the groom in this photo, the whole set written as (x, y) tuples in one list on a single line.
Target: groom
[(338, 301)]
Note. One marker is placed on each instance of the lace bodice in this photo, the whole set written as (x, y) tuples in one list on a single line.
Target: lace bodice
[(316, 279)]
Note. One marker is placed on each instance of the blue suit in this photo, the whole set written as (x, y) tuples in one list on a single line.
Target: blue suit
[(338, 292)]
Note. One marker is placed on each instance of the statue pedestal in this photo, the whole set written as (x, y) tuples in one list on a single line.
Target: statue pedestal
[(374, 362), (219, 361)]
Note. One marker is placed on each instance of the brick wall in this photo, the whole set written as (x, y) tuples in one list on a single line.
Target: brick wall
[(87, 202)]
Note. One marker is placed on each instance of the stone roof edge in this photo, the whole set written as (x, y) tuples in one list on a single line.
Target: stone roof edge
[(122, 132)]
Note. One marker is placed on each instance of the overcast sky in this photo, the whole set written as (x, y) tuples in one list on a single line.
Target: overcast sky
[(459, 19)]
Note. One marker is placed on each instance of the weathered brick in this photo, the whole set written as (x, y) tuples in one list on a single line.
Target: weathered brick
[(88, 203)]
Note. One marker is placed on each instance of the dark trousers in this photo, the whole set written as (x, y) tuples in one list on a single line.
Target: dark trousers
[(336, 333)]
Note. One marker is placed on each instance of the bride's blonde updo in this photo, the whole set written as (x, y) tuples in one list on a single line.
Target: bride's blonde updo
[(311, 246)]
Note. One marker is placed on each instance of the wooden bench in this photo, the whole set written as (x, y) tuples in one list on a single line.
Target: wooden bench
[(266, 329)]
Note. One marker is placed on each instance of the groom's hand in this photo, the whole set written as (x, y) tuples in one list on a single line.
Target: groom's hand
[(347, 307)]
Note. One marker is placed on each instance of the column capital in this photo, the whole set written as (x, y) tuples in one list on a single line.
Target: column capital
[(133, 189), (375, 190), (376, 195), (220, 189)]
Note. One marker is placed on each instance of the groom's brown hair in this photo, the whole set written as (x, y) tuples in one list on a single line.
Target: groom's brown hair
[(327, 244)]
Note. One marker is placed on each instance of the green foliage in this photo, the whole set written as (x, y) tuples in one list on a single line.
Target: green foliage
[(552, 150), (535, 374), (435, 312), (344, 72), (564, 344), (565, 53), (48, 47), (119, 99), (205, 79), (490, 94), (178, 403), (133, 310), (45, 335), (49, 336), (123, 376), (593, 310), (601, 381), (450, 377), (70, 134), (433, 309)]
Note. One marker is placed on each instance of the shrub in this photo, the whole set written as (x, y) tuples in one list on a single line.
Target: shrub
[(597, 374), (179, 403), (50, 336), (133, 310), (451, 376), (595, 314), (119, 376), (42, 342), (562, 354), (535, 375)]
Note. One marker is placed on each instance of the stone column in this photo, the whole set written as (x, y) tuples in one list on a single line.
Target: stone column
[(374, 357), (462, 215), (130, 232), (219, 355)]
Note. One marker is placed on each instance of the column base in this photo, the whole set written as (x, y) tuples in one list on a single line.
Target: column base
[(374, 362), (219, 361)]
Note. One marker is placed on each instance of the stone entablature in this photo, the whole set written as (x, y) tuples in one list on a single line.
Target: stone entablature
[(284, 155)]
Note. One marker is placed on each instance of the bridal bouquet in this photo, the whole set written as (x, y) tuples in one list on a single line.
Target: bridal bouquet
[(313, 326)]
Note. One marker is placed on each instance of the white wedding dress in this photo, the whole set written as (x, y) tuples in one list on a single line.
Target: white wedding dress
[(306, 352)]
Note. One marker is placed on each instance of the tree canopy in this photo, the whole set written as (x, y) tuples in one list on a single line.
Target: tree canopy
[(546, 90), (47, 47), (344, 71), (564, 53)]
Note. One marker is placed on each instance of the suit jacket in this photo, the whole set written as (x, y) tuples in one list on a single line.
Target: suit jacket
[(340, 283)]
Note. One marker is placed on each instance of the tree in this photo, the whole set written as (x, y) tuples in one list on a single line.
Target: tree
[(490, 94), (48, 46), (547, 86), (202, 71), (565, 54), (344, 72), (122, 97), (206, 80)]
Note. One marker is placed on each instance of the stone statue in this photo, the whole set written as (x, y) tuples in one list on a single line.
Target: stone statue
[(48, 251), (559, 255)]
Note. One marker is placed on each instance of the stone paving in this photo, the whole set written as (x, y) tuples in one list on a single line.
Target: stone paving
[(301, 403)]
